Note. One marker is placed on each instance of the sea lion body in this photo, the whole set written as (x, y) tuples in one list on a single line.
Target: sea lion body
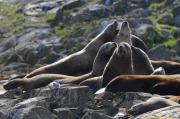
[(119, 63), (155, 84), (141, 62), (101, 59), (139, 43), (124, 34), (34, 82), (150, 105), (170, 67), (82, 61)]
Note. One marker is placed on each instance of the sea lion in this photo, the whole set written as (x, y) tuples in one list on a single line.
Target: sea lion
[(80, 62), (139, 43), (131, 60), (150, 105), (141, 61), (102, 57), (119, 63), (124, 35), (33, 82), (170, 67), (155, 84)]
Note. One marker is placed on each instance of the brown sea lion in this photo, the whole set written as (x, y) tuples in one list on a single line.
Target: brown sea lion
[(170, 67), (33, 82), (100, 61), (80, 62), (150, 105), (158, 84)]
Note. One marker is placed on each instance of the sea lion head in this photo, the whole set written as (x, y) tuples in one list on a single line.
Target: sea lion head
[(136, 109), (102, 57), (123, 50), (124, 34), (14, 84), (112, 29), (108, 48)]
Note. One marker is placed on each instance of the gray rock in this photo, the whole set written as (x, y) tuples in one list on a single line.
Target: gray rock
[(67, 113), (108, 2), (30, 47), (95, 115), (35, 8), (171, 112), (3, 116), (161, 52), (98, 10), (73, 4), (31, 112), (65, 96), (176, 15)]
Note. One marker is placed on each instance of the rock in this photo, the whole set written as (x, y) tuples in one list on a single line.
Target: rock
[(36, 101), (31, 112), (2, 116), (64, 96), (171, 112), (95, 115), (176, 15), (108, 2), (177, 47), (98, 10), (166, 18), (67, 113), (59, 16), (144, 31), (73, 4), (161, 52), (30, 47), (35, 8)]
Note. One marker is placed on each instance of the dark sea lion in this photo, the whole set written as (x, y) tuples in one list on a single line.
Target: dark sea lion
[(170, 67), (150, 105), (139, 43), (34, 82), (100, 61), (119, 63), (156, 84), (80, 62), (141, 62)]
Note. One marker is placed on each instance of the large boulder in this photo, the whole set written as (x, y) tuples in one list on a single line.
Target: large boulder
[(161, 52)]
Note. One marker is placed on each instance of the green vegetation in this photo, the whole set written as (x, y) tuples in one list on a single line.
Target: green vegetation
[(11, 20), (157, 5), (170, 43)]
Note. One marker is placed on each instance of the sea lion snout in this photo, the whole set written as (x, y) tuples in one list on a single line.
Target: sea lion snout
[(125, 24)]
